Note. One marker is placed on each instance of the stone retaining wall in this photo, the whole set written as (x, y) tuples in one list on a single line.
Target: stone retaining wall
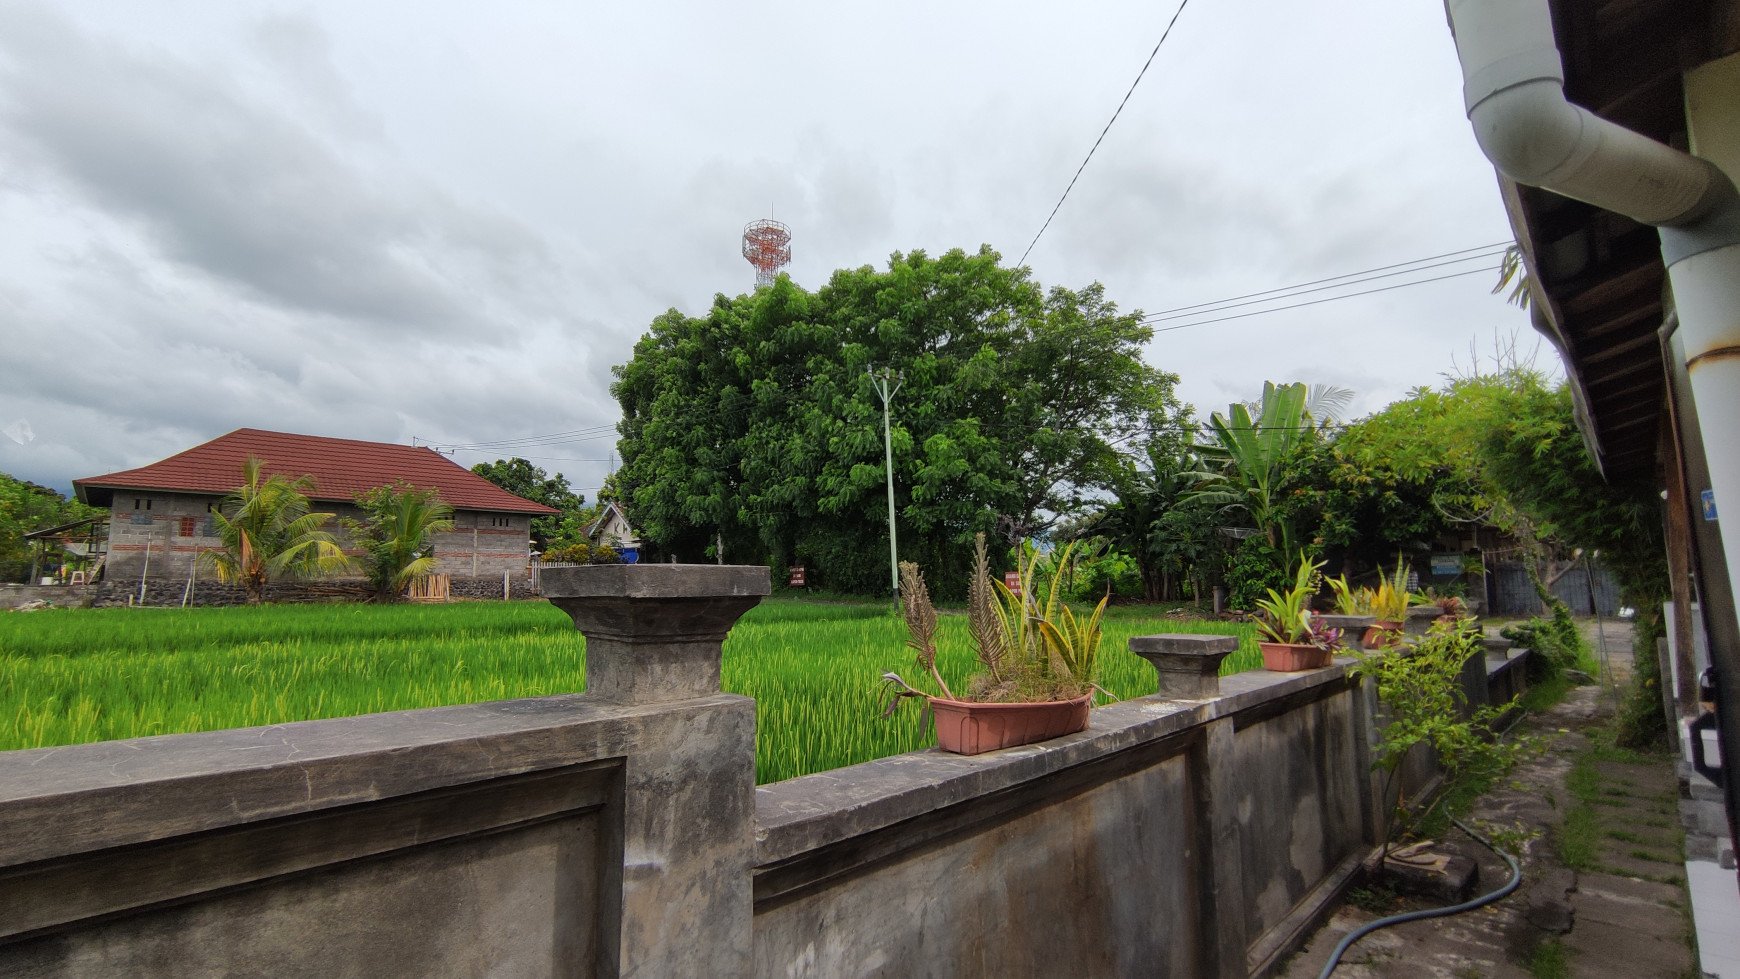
[(619, 832)]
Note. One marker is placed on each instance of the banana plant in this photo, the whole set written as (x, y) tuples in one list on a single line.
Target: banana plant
[(1254, 457)]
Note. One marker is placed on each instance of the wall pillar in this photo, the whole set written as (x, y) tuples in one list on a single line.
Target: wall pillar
[(654, 635)]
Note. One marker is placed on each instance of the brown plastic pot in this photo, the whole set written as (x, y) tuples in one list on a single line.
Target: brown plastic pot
[(1287, 657), (1380, 634), (968, 729)]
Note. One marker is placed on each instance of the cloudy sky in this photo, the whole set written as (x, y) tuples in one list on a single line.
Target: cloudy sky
[(448, 220)]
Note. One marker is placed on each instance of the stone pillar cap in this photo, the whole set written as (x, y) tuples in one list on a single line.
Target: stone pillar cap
[(1184, 643), (656, 581), (1347, 621)]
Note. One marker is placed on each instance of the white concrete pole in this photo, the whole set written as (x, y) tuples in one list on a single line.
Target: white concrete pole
[(882, 387)]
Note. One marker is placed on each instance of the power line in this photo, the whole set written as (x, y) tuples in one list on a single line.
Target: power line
[(1355, 278), (1329, 299), (1114, 118)]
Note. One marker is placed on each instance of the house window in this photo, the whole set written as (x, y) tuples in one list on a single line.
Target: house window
[(187, 527)]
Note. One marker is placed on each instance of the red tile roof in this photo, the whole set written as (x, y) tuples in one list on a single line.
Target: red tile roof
[(341, 468)]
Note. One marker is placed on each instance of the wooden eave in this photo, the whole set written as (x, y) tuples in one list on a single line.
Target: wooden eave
[(1599, 282)]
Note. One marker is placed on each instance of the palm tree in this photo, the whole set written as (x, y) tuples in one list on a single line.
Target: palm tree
[(268, 532), (402, 519), (1255, 456)]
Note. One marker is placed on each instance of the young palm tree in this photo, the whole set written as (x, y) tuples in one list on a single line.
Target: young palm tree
[(397, 536), (268, 532)]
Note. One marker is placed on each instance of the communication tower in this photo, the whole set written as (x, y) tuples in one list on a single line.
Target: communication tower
[(767, 245)]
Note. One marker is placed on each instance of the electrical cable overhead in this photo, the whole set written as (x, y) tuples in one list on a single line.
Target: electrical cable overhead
[(1329, 299), (1352, 279), (1090, 155)]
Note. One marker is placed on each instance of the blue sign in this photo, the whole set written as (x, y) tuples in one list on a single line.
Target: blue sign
[(1709, 498)]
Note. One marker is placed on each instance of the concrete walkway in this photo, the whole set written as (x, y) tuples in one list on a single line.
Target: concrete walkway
[(1604, 892)]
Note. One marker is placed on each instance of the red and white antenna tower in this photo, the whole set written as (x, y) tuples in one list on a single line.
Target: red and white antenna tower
[(767, 245)]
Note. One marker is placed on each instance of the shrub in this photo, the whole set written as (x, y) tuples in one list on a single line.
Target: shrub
[(1255, 569)]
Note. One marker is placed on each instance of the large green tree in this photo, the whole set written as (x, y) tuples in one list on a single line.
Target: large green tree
[(757, 425)]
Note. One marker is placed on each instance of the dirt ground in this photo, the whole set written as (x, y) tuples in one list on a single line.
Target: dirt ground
[(1603, 892)]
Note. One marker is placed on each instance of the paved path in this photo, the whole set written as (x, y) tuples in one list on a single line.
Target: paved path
[(1603, 890)]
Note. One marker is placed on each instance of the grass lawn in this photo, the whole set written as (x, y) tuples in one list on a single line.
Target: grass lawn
[(71, 676)]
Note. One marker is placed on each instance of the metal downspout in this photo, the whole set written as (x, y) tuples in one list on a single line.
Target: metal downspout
[(1513, 89)]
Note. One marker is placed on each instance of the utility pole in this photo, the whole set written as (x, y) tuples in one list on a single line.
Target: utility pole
[(888, 384)]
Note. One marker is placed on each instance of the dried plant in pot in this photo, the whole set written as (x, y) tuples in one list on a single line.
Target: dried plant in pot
[(1037, 662), (1290, 641)]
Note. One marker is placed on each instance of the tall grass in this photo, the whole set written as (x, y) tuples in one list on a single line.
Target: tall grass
[(68, 677)]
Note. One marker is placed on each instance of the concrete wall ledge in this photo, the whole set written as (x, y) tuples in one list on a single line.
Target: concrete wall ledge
[(79, 798), (813, 811)]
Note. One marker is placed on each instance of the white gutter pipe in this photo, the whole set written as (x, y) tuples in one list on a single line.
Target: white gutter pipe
[(1514, 91)]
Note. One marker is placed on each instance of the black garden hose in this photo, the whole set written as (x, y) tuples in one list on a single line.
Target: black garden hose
[(1396, 919)]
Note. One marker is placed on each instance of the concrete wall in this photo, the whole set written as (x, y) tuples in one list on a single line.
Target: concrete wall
[(1173, 838), (572, 835), (618, 832)]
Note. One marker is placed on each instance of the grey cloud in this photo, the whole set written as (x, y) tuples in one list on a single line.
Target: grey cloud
[(231, 188)]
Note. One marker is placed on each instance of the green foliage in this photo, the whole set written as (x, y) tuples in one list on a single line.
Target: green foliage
[(521, 478), (1156, 519), (1256, 460), (1642, 722), (27, 507), (1395, 478), (1256, 568), (1285, 617), (757, 421), (1111, 572), (1422, 690), (73, 676), (397, 535), (1557, 644), (1550, 959), (583, 553), (268, 532)]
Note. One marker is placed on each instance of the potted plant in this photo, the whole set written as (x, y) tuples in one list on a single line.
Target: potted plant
[(1291, 641), (1390, 604), (1350, 600), (1037, 661)]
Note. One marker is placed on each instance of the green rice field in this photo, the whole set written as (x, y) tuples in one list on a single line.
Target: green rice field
[(72, 676)]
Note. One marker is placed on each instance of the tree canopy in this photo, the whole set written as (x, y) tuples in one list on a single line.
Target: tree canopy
[(27, 507), (521, 478), (757, 424)]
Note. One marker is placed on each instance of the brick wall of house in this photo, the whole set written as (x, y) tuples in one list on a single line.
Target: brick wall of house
[(175, 527)]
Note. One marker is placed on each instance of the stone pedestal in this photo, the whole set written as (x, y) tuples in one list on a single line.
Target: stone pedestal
[(1188, 665), (1352, 628), (654, 632), (1420, 619)]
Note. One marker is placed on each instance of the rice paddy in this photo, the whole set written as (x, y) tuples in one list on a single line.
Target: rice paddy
[(73, 676)]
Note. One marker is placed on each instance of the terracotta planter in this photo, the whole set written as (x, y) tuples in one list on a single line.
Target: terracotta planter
[(1286, 657), (968, 729), (1380, 634)]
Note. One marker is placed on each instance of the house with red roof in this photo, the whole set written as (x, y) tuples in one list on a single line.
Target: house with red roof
[(160, 514)]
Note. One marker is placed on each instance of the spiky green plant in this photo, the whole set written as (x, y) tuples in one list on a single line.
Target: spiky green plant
[(1286, 617)]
